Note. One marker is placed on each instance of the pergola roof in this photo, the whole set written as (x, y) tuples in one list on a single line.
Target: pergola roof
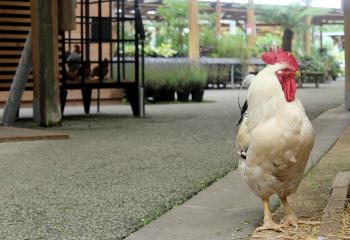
[(334, 17), (234, 11)]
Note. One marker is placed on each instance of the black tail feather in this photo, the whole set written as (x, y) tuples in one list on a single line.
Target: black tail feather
[(243, 112)]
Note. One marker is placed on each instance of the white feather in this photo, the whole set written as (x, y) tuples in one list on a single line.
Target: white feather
[(278, 136)]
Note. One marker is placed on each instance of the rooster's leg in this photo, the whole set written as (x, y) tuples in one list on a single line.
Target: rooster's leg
[(289, 217), (269, 224)]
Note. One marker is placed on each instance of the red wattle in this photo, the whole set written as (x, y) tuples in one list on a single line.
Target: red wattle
[(288, 84), (289, 89)]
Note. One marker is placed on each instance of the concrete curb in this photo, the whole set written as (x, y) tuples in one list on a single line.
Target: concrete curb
[(330, 225), (228, 209)]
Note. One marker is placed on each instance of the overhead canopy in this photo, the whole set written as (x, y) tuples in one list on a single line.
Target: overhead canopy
[(232, 11), (334, 17)]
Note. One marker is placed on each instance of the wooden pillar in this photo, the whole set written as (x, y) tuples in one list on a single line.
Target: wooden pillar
[(193, 46), (346, 8), (307, 35), (218, 19), (321, 36), (251, 31), (45, 60)]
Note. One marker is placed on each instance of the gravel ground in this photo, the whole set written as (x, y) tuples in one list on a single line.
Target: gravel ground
[(116, 173)]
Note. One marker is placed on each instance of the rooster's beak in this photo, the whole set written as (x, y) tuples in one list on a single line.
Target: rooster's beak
[(297, 74)]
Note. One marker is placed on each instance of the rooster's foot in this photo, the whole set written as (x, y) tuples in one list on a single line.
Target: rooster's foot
[(290, 220), (269, 225)]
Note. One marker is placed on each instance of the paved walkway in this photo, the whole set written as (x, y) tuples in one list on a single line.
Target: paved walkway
[(116, 172), (228, 210)]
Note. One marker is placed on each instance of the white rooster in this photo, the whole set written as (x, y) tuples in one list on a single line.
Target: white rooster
[(275, 137)]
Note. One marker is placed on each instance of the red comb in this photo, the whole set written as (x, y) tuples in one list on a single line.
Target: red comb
[(279, 56)]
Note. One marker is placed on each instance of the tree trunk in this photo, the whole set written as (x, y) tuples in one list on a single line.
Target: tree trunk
[(287, 40)]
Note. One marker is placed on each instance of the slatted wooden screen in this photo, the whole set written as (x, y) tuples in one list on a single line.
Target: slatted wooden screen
[(15, 20), (14, 26)]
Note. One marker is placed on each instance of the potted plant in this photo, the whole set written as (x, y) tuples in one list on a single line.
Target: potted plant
[(167, 93), (198, 81), (183, 84), (153, 82)]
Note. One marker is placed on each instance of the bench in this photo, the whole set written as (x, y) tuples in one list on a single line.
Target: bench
[(131, 90), (313, 76)]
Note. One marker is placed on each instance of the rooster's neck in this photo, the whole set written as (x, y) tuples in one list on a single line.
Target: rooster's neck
[(265, 96)]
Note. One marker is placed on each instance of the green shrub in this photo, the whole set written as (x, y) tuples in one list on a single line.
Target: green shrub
[(192, 77), (265, 42), (171, 76), (217, 74)]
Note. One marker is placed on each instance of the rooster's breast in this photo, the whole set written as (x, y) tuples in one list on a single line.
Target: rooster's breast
[(278, 151)]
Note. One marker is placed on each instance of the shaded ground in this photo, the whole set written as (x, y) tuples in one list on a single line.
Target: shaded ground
[(116, 173)]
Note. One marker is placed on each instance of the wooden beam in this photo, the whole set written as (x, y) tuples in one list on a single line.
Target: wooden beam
[(45, 61), (251, 30), (346, 8), (14, 20), (218, 18), (193, 46), (14, 3)]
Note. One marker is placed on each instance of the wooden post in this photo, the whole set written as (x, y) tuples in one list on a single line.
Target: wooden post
[(218, 19), (321, 36), (251, 31), (346, 8), (193, 46), (45, 59), (307, 35), (67, 15)]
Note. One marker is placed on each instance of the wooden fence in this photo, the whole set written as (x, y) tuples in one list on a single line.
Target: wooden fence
[(14, 26)]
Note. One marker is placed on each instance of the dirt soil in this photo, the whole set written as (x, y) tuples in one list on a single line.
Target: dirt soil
[(312, 196), (345, 225)]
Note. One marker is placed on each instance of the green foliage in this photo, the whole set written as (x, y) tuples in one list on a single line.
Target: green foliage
[(265, 42), (190, 77), (174, 27), (291, 16), (207, 38), (231, 46), (227, 46), (171, 76), (175, 15), (317, 62), (164, 50), (311, 63), (217, 73)]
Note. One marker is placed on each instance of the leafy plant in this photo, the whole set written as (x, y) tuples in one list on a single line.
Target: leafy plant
[(232, 46), (265, 42), (172, 76), (197, 77), (290, 18), (217, 74), (175, 15), (174, 27)]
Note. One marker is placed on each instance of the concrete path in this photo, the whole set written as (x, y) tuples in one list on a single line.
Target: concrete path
[(116, 172), (227, 209)]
